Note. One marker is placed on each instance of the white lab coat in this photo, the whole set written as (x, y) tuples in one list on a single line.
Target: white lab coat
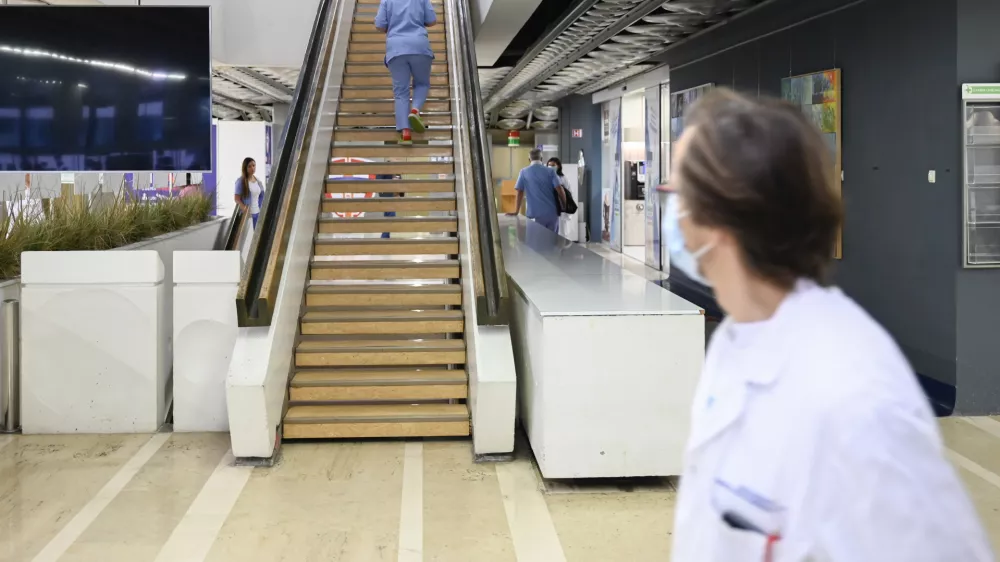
[(812, 427)]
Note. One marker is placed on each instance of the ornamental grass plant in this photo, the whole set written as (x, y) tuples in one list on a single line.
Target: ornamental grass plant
[(71, 223)]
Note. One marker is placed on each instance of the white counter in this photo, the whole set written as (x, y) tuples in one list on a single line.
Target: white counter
[(607, 361)]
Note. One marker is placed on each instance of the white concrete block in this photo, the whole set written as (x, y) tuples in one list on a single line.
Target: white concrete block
[(91, 268), (206, 267), (93, 342), (205, 329)]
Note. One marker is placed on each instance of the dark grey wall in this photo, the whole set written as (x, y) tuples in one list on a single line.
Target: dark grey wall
[(978, 291), (902, 235), (579, 112)]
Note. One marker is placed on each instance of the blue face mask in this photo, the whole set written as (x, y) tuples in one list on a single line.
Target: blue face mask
[(680, 257)]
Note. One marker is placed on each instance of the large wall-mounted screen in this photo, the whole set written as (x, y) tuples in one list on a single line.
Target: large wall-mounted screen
[(102, 88)]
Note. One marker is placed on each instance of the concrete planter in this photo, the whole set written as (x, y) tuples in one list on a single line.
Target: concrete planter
[(96, 335)]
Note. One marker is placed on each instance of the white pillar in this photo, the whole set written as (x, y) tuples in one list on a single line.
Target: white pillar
[(205, 328)]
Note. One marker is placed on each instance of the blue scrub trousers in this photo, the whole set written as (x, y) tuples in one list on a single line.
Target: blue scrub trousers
[(388, 214), (404, 70), (254, 217), (551, 223)]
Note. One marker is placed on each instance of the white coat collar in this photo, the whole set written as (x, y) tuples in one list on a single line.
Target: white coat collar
[(761, 367)]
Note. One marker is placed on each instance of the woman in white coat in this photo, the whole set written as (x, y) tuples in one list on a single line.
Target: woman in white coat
[(810, 437)]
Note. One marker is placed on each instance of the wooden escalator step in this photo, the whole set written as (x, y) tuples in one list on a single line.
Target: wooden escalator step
[(384, 294), (331, 270), (367, 385), (428, 203), (380, 352), (358, 185), (360, 246), (391, 151), (382, 321), (384, 420), (388, 134), (365, 225)]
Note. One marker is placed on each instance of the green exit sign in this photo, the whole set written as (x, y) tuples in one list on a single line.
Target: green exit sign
[(981, 89)]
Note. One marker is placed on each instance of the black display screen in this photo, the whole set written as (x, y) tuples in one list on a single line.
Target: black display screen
[(102, 88)]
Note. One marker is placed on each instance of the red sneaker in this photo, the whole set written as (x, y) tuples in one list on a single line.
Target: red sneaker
[(405, 137), (416, 122)]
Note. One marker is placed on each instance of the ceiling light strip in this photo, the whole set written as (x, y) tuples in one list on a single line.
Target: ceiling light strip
[(120, 67)]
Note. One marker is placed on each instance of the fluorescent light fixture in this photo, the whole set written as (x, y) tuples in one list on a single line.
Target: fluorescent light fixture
[(120, 67)]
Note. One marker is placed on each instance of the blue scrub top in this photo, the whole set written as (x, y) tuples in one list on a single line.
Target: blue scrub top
[(539, 183), (405, 22)]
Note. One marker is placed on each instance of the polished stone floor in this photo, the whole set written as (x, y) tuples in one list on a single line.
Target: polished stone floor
[(177, 497)]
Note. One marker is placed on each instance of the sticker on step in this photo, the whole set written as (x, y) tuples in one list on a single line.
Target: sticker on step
[(344, 209)]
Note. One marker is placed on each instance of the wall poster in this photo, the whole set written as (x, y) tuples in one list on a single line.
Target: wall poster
[(652, 205), (664, 171), (604, 181), (819, 96), (616, 173), (679, 103)]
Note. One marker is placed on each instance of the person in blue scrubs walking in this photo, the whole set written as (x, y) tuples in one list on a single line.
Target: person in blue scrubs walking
[(541, 186), (408, 56)]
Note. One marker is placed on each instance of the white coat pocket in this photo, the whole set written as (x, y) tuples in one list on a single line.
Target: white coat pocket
[(737, 545)]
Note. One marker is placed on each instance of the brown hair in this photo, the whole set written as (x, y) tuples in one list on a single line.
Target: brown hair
[(760, 170), (245, 174)]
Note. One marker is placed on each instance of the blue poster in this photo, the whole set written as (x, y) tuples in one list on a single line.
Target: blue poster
[(616, 174), (652, 204)]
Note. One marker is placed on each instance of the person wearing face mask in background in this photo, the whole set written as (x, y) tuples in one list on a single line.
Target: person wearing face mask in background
[(810, 438), (555, 165)]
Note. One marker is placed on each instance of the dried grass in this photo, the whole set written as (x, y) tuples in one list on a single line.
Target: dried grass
[(69, 223)]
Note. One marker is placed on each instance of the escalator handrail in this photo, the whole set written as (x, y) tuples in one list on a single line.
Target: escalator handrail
[(253, 308), (488, 228)]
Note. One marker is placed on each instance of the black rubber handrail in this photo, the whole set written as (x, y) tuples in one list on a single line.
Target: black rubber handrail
[(252, 310), (494, 284)]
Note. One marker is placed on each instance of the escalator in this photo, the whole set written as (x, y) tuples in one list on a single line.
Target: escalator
[(405, 252)]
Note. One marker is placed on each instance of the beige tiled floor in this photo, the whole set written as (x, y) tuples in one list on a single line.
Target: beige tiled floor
[(342, 502)]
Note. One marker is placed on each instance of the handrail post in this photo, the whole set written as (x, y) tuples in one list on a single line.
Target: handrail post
[(10, 368)]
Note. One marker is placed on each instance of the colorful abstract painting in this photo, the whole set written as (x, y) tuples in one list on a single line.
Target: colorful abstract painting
[(819, 96)]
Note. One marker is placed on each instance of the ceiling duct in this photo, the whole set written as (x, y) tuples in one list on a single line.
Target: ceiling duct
[(601, 43)]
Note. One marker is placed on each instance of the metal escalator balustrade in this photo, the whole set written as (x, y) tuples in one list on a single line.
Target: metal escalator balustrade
[(262, 271), (473, 154)]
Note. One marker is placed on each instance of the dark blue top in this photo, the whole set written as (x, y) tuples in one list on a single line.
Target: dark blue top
[(539, 183)]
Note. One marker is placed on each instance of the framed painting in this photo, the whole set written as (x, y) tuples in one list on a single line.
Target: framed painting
[(819, 95)]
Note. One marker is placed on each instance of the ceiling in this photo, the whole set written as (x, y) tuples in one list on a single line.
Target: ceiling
[(595, 44), (564, 48)]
